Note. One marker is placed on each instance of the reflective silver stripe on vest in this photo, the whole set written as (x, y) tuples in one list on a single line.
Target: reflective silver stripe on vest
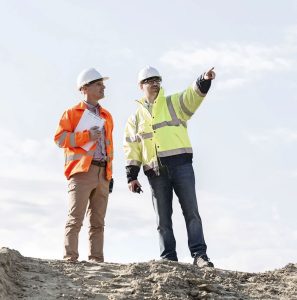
[(90, 152), (107, 142), (171, 110), (175, 120), (152, 165), (146, 135), (62, 138), (73, 157), (78, 156), (137, 138), (133, 139), (133, 163), (175, 152), (72, 140), (183, 107)]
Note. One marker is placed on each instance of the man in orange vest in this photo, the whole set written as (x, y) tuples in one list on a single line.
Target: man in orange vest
[(89, 171)]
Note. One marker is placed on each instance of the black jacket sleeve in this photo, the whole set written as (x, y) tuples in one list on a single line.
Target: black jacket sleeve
[(203, 84), (132, 172)]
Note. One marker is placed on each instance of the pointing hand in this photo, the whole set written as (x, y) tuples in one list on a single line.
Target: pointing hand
[(210, 74)]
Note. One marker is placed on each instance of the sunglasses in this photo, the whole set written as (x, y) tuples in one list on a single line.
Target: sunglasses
[(153, 80)]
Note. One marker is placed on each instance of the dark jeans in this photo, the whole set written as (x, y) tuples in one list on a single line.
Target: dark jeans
[(181, 180)]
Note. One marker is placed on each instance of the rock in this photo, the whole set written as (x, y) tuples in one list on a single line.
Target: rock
[(32, 278)]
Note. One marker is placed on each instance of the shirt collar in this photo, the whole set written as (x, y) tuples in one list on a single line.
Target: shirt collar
[(144, 101), (91, 106)]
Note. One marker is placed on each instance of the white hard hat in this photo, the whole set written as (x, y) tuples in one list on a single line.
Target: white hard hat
[(88, 75), (148, 72)]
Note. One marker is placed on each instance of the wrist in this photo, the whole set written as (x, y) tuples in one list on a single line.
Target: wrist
[(130, 179)]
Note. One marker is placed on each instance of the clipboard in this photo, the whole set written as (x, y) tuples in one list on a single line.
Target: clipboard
[(87, 121)]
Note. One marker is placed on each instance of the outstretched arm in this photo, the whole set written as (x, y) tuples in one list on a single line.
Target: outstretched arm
[(190, 99)]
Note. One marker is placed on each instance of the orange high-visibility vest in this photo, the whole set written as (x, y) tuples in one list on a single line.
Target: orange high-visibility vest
[(76, 158)]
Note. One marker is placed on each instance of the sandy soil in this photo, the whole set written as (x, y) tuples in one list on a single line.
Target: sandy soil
[(32, 278)]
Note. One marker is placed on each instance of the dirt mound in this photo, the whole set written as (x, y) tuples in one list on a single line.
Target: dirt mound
[(10, 272), (31, 278)]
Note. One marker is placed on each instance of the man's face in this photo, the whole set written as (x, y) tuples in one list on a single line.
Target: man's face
[(151, 87), (95, 90)]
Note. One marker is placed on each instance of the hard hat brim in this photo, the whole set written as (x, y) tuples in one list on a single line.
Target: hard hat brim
[(102, 78)]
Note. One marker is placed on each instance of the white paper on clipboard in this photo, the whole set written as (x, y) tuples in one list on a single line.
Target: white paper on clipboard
[(87, 121)]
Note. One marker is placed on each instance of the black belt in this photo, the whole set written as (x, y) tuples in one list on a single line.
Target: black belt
[(99, 163)]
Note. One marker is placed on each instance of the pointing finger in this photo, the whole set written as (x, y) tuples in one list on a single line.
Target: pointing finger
[(210, 71)]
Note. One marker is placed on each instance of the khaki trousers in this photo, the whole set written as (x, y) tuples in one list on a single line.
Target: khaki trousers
[(88, 194)]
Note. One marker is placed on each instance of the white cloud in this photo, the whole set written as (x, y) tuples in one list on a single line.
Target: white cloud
[(256, 260), (291, 35), (30, 159), (241, 231), (283, 135), (231, 83), (233, 57), (26, 148), (239, 63)]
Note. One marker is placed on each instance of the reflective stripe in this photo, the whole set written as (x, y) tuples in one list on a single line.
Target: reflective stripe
[(90, 152), (72, 140), (133, 163), (183, 123), (133, 139), (73, 157), (107, 142), (183, 107), (78, 156), (146, 135), (152, 165), (62, 138), (136, 123), (175, 152), (171, 109), (175, 120), (169, 123)]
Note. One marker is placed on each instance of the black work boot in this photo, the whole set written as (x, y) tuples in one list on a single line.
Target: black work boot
[(202, 261)]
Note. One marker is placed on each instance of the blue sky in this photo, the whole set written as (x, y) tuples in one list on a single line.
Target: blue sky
[(244, 135)]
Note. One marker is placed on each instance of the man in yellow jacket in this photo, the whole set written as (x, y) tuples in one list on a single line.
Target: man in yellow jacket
[(88, 170), (156, 137)]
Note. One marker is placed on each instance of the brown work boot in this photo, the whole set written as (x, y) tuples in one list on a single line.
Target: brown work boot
[(71, 259), (96, 260)]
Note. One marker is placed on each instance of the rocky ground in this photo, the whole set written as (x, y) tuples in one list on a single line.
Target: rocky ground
[(32, 278)]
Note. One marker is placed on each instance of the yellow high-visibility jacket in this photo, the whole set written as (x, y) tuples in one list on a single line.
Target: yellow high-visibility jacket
[(163, 132)]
